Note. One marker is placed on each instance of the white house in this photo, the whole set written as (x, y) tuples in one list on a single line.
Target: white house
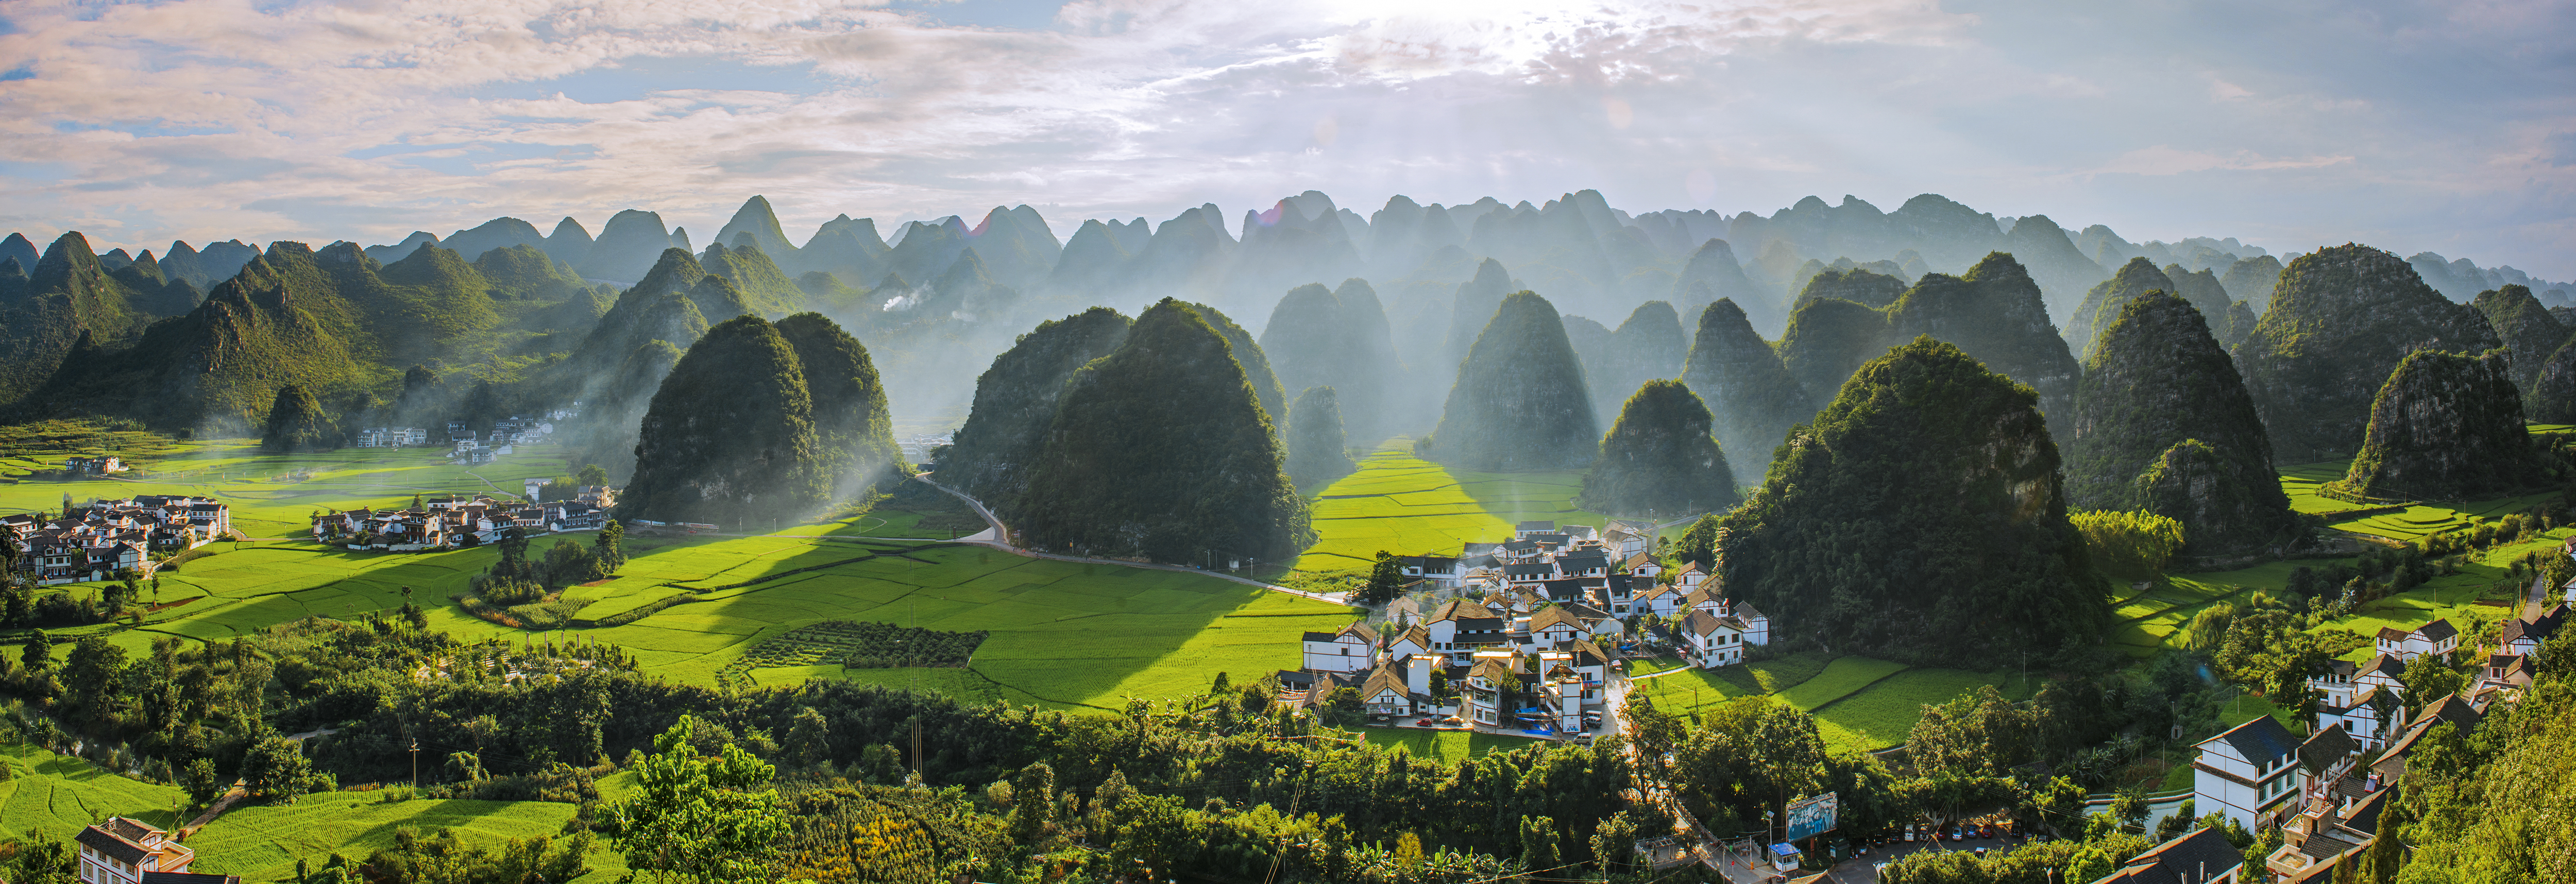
[(122, 851), (1385, 692), (2523, 635), (1643, 566), (1663, 600), (2251, 773), (1415, 641), (1553, 627), (1490, 685), (1352, 649), (1441, 570), (1714, 641), (1524, 530), (1459, 627), (2437, 637)]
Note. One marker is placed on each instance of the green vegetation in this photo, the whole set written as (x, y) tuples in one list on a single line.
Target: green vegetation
[(2525, 327), (730, 437), (1520, 404), (2108, 302), (1317, 448), (1402, 503), (1649, 345), (763, 288), (1659, 459), (1850, 520), (2341, 319), (296, 423), (2446, 426), (1994, 313), (2129, 544), (1257, 372), (1338, 339), (1872, 290), (1752, 398), (1015, 402), (852, 428), (2163, 423), (65, 304)]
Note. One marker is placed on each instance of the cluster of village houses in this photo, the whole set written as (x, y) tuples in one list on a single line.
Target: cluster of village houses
[(1523, 632), (2318, 789), (472, 446), (113, 537), (454, 521)]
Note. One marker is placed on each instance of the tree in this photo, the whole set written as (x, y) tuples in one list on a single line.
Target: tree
[(1386, 580), (276, 768), (808, 740), (38, 655), (1032, 819), (591, 476), (2132, 544), (90, 675), (697, 819), (1614, 846), (1539, 852), (610, 545), (2428, 679), (201, 782), (296, 423)]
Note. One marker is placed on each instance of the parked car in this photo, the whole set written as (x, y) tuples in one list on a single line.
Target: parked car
[(1981, 851), (1986, 831), (1955, 834), (1909, 831)]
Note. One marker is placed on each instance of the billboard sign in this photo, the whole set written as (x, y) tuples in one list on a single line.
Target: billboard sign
[(1809, 817)]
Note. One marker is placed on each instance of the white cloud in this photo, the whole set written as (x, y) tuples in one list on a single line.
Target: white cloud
[(2401, 123)]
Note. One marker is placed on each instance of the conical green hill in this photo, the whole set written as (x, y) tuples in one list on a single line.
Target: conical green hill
[(1317, 448), (1659, 460), (1256, 365), (1302, 338), (1828, 339), (615, 405), (2102, 303), (1519, 404), (756, 219), (2341, 320), (1994, 314), (1853, 284), (1750, 395), (1339, 339), (2446, 426), (718, 299), (1918, 519), (2251, 280), (1160, 450), (1472, 306), (1649, 345), (729, 439), (765, 289), (2530, 334), (2157, 379), (991, 456), (296, 422), (2552, 399), (851, 422), (528, 273)]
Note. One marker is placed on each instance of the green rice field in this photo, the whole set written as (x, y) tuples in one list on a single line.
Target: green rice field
[(262, 842), (1860, 704), (1409, 506)]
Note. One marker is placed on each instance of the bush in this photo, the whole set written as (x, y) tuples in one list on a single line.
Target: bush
[(2130, 544)]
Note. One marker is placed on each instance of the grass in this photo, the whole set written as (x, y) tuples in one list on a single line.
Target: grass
[(1840, 679), (58, 795), (1446, 747), (1882, 714), (1409, 506), (262, 843)]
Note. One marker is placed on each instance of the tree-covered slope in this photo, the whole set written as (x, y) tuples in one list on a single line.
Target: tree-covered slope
[(2102, 305), (730, 436), (1160, 450), (1853, 284), (1519, 404), (2552, 399), (1015, 399), (1320, 337), (2163, 423), (1317, 447), (2446, 426), (1649, 345), (765, 289), (1256, 365), (1828, 339), (65, 293), (1920, 518), (1659, 460), (2529, 333), (1752, 398), (1471, 307), (1995, 314), (852, 426), (528, 273), (2341, 320)]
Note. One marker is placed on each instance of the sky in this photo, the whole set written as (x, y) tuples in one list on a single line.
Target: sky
[(2442, 126)]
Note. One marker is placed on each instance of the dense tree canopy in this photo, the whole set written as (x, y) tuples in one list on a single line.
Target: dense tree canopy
[(992, 455), (2446, 426), (852, 426), (2341, 319), (1920, 517), (1160, 450), (729, 438), (1316, 444), (296, 422), (1659, 459)]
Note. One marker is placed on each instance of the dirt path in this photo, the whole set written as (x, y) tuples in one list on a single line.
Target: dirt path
[(995, 537)]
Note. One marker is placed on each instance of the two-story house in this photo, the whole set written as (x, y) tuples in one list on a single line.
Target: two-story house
[(1490, 687), (2201, 857), (123, 851), (1553, 627), (1713, 641), (1460, 627), (2251, 773), (2523, 635), (2437, 638), (1353, 648)]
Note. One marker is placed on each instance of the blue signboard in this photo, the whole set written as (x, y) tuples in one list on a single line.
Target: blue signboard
[(1810, 817)]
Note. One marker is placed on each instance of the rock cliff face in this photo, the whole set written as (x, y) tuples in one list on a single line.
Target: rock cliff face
[(2530, 334), (1659, 460), (2341, 320), (2102, 304), (1015, 399), (2446, 426), (1520, 403), (1920, 518), (1752, 398), (2163, 422)]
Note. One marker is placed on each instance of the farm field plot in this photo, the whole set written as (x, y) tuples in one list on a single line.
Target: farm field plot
[(1405, 505), (1882, 714), (1446, 747), (2300, 482), (262, 843), (1689, 690), (1840, 679), (56, 794)]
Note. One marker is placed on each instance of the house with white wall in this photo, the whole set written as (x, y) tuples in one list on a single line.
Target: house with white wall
[(1351, 649), (2438, 637), (2251, 773)]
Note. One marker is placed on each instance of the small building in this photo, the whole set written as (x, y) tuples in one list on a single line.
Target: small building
[(2201, 857), (2523, 635), (2251, 773), (1351, 649), (1442, 570), (2438, 638), (123, 851), (1713, 641)]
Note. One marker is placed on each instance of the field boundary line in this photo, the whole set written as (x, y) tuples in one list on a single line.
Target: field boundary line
[(1820, 707)]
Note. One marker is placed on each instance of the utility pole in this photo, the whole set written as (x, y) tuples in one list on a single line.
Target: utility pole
[(415, 763)]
